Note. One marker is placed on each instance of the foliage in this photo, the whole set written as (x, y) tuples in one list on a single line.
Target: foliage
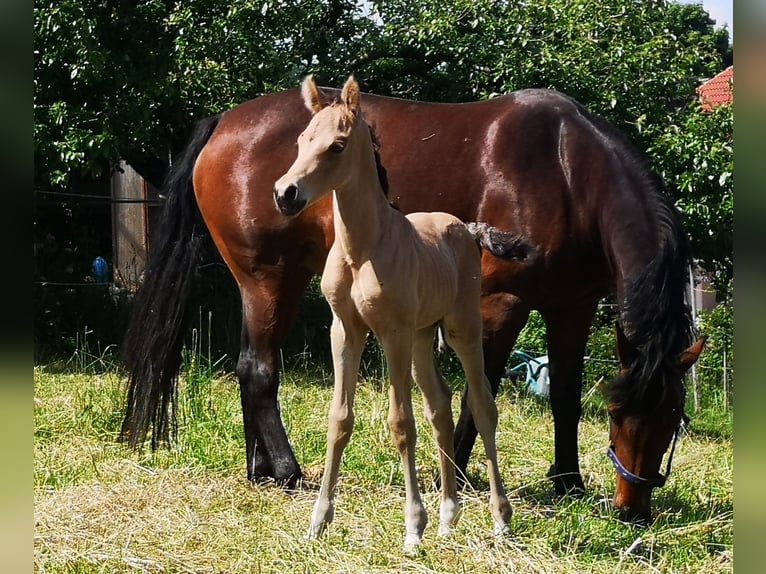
[(120, 79), (83, 335), (600, 358), (717, 360), (715, 397), (633, 62), (694, 154), (128, 79), (100, 89), (532, 339)]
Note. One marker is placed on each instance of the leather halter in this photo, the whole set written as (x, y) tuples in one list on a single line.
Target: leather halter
[(656, 481)]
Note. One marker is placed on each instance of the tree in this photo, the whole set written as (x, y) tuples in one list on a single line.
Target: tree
[(128, 80), (633, 62), (100, 90), (694, 154), (122, 79)]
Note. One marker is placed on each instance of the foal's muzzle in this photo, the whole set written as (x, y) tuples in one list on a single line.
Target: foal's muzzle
[(287, 199)]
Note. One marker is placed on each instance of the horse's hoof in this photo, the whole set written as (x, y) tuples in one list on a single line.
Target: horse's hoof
[(566, 484)]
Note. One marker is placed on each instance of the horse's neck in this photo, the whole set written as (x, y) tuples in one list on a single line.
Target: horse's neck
[(361, 214), (649, 261), (630, 238)]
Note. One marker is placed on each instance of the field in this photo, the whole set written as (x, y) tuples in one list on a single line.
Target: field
[(102, 508)]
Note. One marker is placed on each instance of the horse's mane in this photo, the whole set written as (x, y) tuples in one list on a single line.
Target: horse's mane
[(655, 317)]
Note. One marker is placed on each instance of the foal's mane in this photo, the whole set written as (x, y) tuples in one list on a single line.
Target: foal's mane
[(655, 317), (382, 174)]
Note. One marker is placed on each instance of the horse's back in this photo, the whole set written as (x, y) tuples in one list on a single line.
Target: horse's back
[(524, 162)]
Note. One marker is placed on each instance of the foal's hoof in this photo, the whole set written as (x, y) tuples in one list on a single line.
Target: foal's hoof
[(315, 531), (501, 529), (412, 543)]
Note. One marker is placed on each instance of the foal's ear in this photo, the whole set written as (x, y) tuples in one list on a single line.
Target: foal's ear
[(312, 97), (690, 355), (350, 95)]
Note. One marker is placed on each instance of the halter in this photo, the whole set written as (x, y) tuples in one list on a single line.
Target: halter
[(654, 482)]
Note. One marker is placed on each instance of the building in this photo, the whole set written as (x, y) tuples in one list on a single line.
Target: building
[(717, 90)]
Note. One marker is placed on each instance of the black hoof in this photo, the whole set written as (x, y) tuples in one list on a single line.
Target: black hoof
[(286, 475), (566, 484), (292, 482)]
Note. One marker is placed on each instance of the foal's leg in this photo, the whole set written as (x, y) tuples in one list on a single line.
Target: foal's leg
[(465, 338), (397, 346), (504, 316), (347, 338), (438, 410)]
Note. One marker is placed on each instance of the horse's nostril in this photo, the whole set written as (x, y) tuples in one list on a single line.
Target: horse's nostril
[(291, 192)]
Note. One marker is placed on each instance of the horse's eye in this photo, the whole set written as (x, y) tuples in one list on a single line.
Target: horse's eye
[(337, 147)]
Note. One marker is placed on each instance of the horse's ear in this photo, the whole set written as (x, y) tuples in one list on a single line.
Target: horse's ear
[(312, 97), (350, 95), (690, 355), (626, 352)]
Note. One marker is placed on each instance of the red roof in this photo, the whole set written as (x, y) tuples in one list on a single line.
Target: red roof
[(717, 90)]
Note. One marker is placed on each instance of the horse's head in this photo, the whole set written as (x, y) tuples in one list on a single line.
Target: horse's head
[(645, 417), (328, 154)]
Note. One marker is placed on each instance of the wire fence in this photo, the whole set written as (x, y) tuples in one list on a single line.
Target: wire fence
[(58, 197)]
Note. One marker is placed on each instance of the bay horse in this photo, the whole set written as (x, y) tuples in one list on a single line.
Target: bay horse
[(533, 160), (399, 277)]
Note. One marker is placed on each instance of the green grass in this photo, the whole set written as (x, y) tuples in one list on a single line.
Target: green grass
[(102, 508)]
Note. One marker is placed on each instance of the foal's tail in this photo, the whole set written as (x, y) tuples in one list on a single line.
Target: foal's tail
[(152, 346), (502, 244)]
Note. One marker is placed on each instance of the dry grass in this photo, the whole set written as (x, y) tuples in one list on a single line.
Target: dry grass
[(101, 508)]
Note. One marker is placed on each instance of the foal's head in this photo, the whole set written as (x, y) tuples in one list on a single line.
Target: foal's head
[(645, 414), (331, 150)]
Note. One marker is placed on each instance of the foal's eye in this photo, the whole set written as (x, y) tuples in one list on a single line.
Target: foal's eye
[(337, 147)]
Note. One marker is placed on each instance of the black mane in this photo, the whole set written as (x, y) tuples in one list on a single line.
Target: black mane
[(382, 175), (653, 311)]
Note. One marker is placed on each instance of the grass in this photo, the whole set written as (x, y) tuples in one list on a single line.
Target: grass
[(102, 508)]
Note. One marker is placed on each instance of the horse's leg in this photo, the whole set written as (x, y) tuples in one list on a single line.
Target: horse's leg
[(464, 336), (437, 406), (567, 336), (397, 345), (504, 316), (269, 307), (347, 337)]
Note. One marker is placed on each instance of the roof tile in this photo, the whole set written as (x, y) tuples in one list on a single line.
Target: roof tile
[(717, 90)]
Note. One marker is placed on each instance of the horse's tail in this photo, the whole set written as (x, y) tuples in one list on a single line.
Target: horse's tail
[(153, 343), (502, 244)]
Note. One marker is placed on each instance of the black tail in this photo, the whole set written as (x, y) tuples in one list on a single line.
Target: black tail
[(154, 340), (502, 244)]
